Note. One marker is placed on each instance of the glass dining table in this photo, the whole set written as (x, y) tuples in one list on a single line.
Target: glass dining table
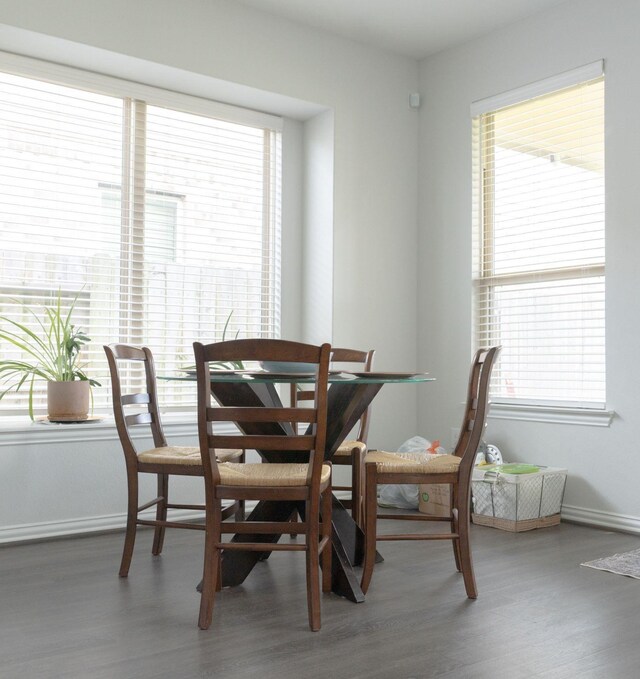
[(349, 395)]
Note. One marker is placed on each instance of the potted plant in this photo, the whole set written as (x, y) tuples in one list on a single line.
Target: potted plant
[(51, 354)]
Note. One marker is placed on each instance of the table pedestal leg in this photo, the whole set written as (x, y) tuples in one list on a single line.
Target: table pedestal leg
[(236, 565), (347, 544), (347, 402)]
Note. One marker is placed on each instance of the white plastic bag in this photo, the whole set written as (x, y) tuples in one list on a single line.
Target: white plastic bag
[(397, 495), (403, 496), (415, 444)]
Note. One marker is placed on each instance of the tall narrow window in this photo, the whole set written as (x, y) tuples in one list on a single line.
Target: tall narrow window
[(164, 221), (539, 255)]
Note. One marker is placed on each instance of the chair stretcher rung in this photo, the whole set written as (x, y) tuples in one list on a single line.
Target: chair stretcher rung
[(413, 517), (257, 527), (170, 524), (151, 503), (175, 506), (261, 547), (418, 536)]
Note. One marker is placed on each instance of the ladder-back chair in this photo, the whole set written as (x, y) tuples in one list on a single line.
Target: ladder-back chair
[(293, 471), (163, 460), (454, 470)]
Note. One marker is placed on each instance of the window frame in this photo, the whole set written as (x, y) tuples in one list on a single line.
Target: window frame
[(485, 279), (131, 93)]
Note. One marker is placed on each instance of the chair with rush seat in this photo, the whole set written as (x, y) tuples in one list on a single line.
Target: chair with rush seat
[(163, 460), (293, 471), (454, 470)]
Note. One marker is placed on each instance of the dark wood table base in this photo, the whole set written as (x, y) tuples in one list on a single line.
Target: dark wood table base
[(346, 403)]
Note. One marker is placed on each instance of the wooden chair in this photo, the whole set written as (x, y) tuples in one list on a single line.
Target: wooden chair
[(162, 460), (351, 452), (454, 470), (295, 471)]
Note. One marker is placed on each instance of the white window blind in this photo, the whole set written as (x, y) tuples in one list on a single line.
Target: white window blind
[(162, 221), (539, 246)]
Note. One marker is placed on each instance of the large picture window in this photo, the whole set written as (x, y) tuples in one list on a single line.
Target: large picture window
[(539, 256), (164, 222)]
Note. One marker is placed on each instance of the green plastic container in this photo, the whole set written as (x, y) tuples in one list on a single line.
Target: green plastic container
[(512, 468)]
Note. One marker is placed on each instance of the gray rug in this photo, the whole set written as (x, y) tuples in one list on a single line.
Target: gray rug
[(627, 563)]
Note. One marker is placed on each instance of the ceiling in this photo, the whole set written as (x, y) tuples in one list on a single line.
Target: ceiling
[(414, 28)]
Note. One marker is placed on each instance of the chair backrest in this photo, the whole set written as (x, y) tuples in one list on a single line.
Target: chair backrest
[(339, 355), (117, 355), (475, 412), (263, 427)]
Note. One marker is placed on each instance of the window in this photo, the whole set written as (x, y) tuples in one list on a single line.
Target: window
[(539, 246), (161, 220), (165, 219)]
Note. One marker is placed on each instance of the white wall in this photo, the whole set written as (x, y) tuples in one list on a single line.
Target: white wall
[(411, 304), (244, 56), (317, 236), (60, 480), (603, 463)]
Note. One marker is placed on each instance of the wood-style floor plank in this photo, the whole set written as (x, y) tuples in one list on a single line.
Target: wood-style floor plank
[(64, 613)]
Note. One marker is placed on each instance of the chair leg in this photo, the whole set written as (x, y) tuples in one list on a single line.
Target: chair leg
[(454, 527), (357, 462), (370, 525), (313, 576), (327, 499), (132, 517), (466, 561), (211, 568), (219, 580), (161, 513), (240, 513)]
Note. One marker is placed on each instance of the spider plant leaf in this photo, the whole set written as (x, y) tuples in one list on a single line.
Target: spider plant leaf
[(16, 340), (37, 349), (31, 398), (48, 351), (226, 325), (15, 386)]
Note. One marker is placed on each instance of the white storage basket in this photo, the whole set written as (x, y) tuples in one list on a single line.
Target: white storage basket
[(517, 502)]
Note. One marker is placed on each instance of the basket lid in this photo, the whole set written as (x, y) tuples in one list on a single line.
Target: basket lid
[(512, 468)]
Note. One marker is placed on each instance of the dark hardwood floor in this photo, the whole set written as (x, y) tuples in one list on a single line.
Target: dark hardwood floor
[(64, 613)]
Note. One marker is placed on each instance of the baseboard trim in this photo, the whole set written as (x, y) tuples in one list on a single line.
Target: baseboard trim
[(86, 526), (599, 519), (50, 530), (113, 522)]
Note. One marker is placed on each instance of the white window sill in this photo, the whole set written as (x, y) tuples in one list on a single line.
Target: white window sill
[(554, 414), (21, 430)]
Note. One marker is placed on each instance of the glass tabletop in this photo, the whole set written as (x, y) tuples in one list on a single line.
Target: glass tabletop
[(263, 377)]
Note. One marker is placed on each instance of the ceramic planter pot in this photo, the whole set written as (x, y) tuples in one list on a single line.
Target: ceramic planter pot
[(68, 400)]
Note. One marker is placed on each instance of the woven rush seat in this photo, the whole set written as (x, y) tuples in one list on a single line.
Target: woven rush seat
[(347, 447), (186, 455), (413, 463), (274, 474)]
